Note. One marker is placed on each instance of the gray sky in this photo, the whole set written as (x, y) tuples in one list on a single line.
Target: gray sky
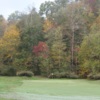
[(9, 6)]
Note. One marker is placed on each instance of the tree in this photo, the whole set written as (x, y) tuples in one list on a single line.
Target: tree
[(30, 27), (3, 25), (94, 6), (8, 44), (57, 52), (73, 22), (14, 17), (30, 20), (61, 3), (31, 32), (41, 58), (89, 55), (47, 9), (48, 25), (96, 25), (41, 49)]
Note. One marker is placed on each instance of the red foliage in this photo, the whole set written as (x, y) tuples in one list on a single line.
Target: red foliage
[(41, 49)]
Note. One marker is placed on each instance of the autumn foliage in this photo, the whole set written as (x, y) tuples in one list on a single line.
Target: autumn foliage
[(41, 49), (62, 38)]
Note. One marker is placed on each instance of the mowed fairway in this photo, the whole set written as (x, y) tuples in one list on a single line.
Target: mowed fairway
[(17, 88)]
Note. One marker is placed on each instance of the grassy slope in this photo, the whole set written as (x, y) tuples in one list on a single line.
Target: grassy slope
[(49, 87)]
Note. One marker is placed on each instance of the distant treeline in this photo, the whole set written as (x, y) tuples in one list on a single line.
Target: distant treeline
[(62, 40)]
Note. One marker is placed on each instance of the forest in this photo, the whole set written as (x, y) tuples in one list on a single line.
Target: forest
[(61, 40)]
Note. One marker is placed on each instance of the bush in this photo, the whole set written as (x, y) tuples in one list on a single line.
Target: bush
[(25, 73), (54, 75), (63, 75), (90, 76), (94, 76), (73, 76), (9, 71)]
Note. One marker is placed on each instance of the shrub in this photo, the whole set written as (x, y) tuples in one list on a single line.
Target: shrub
[(25, 73), (54, 75), (63, 75), (73, 76), (9, 71), (94, 76), (97, 77), (90, 76)]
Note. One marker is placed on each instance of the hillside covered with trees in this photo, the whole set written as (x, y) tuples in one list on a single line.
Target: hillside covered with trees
[(62, 40)]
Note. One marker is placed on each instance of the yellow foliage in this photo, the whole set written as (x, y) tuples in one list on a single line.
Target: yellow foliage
[(47, 25), (10, 39)]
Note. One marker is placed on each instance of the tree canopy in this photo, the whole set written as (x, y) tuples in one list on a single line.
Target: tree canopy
[(62, 40)]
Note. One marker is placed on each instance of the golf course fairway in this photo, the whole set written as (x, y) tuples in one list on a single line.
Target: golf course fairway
[(23, 88)]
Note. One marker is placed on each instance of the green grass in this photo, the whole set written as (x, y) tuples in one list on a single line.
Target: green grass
[(22, 88), (5, 99)]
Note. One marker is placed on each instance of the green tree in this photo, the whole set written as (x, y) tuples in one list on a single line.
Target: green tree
[(31, 32), (47, 9), (14, 17), (89, 55), (61, 3), (57, 52)]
